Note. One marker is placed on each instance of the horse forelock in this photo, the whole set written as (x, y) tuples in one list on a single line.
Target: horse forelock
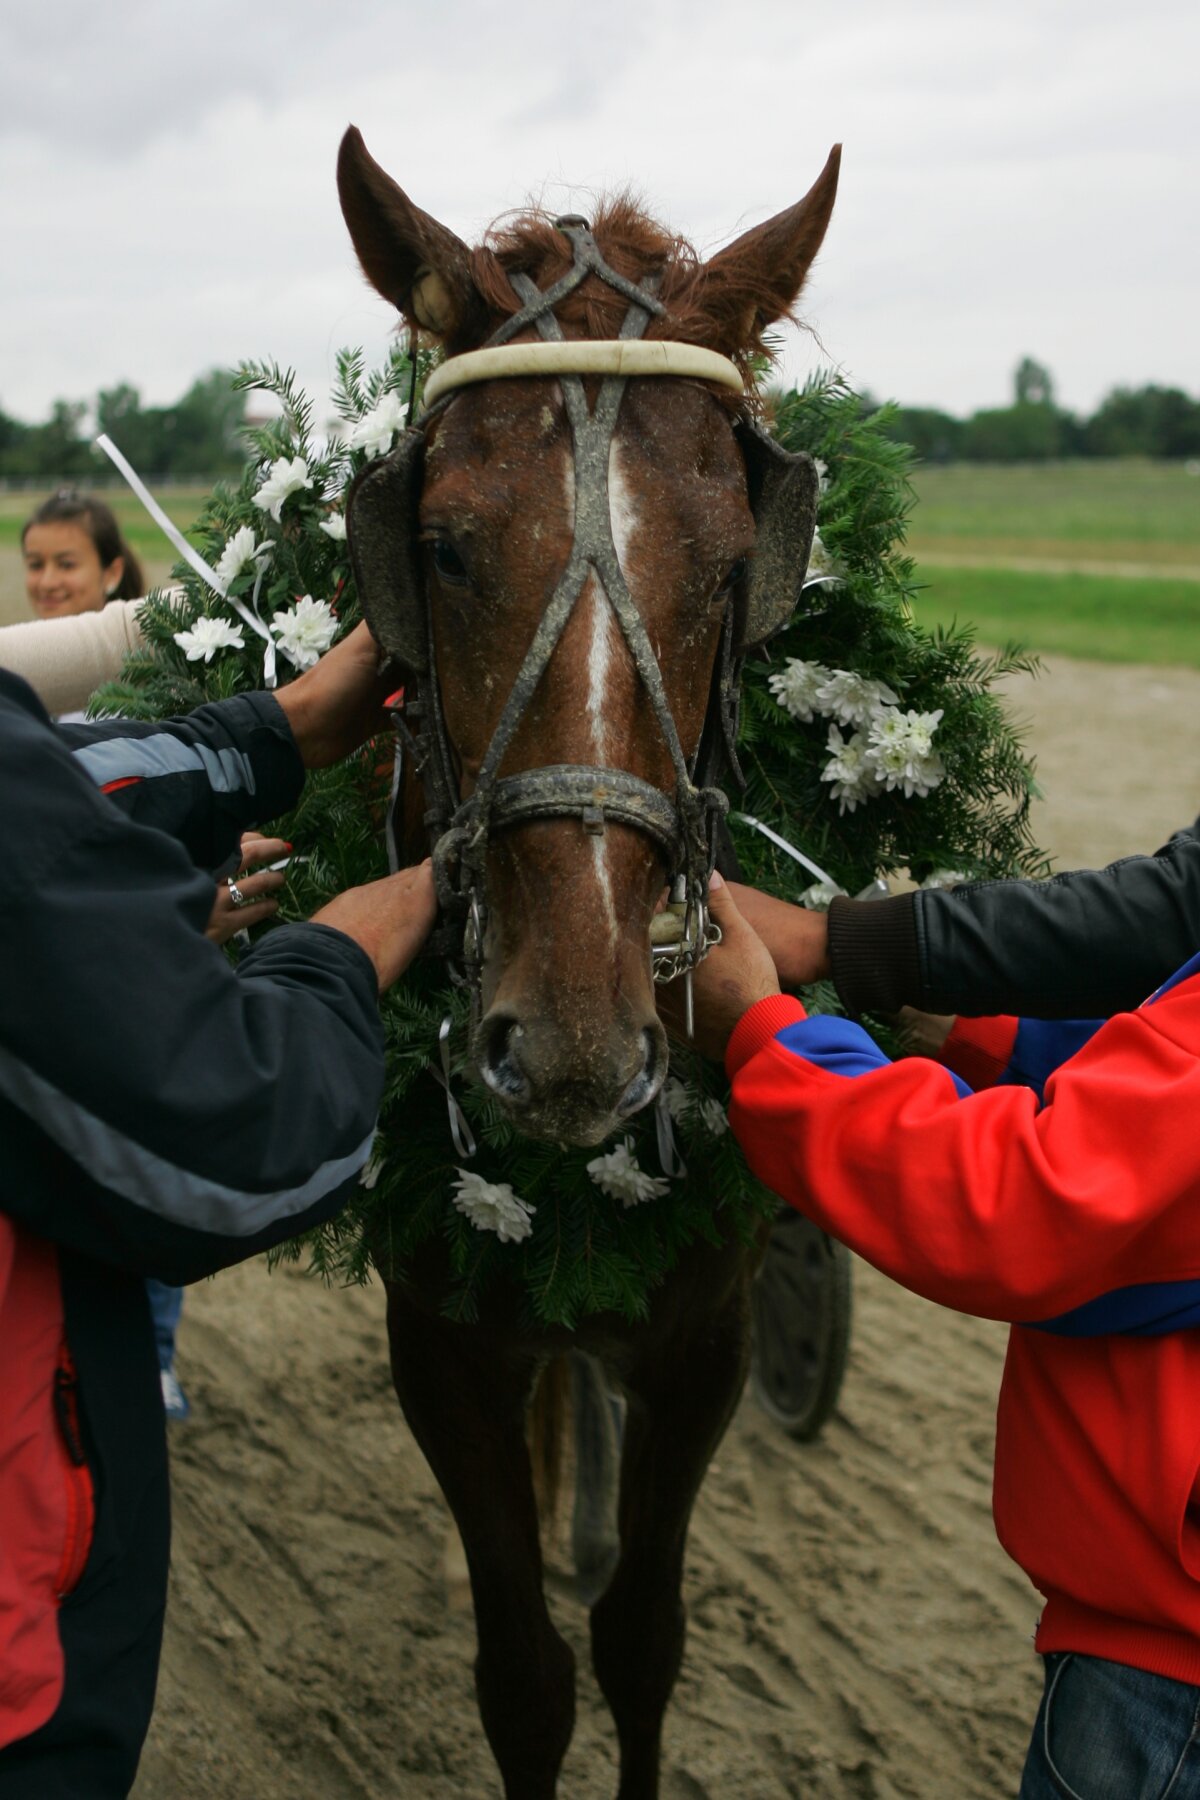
[(636, 246)]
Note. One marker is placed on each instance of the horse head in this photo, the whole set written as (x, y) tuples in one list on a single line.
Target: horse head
[(570, 558)]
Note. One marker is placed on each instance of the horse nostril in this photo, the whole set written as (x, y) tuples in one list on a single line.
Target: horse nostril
[(499, 1036), (649, 1078)]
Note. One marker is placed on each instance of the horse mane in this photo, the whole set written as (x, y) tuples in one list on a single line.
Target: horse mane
[(705, 305)]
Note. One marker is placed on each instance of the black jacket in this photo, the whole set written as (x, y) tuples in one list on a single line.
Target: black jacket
[(1083, 945), (160, 1113)]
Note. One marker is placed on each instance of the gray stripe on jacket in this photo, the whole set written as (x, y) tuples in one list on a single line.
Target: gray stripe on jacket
[(120, 759), (128, 1168)]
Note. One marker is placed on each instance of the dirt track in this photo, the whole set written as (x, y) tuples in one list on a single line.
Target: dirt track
[(855, 1630)]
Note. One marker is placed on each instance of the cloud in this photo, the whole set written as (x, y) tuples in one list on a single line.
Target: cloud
[(1017, 177)]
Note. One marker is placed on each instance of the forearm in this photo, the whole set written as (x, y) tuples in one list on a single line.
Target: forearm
[(66, 660), (159, 1099), (985, 1203), (1085, 944), (203, 779), (202, 1121)]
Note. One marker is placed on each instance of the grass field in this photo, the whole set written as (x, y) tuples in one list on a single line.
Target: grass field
[(139, 530), (1108, 618), (1126, 510), (1088, 559)]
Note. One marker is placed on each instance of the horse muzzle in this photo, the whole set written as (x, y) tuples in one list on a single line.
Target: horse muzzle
[(566, 1080)]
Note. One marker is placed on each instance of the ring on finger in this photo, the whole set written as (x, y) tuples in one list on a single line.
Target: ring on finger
[(236, 894)]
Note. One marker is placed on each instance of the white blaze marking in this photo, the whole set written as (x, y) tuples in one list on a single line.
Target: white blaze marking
[(605, 636)]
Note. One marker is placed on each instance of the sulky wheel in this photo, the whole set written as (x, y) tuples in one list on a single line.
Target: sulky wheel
[(801, 1312)]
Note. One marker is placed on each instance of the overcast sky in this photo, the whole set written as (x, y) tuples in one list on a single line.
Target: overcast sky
[(1019, 176)]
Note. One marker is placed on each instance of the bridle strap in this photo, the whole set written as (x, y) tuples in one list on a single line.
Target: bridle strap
[(683, 828), (596, 796), (585, 260)]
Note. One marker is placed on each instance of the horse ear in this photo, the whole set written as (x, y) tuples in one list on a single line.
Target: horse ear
[(417, 264), (757, 279)]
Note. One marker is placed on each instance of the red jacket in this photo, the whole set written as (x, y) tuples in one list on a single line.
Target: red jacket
[(1078, 1219)]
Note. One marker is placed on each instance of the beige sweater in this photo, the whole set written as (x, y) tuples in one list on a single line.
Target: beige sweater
[(66, 660)]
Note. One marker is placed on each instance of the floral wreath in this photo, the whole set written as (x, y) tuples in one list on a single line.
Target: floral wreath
[(876, 745)]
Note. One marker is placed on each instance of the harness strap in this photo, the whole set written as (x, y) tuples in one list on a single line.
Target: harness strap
[(685, 828)]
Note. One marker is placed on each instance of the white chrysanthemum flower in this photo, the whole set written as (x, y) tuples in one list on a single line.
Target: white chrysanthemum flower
[(678, 1098), (207, 636), (493, 1206), (619, 1176), (796, 686), (306, 632), (820, 562), (900, 749), (373, 1168), (853, 699), (854, 779), (242, 553), (285, 476), (375, 431), (712, 1113), (945, 878), (335, 527), (821, 895)]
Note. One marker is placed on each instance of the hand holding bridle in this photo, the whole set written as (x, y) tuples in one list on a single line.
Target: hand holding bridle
[(736, 972)]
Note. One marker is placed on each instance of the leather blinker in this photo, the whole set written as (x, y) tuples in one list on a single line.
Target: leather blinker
[(381, 525), (783, 488)]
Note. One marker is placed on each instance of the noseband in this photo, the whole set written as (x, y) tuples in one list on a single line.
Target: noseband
[(682, 825)]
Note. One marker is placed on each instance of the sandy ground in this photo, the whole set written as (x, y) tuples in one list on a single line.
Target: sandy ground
[(855, 1630)]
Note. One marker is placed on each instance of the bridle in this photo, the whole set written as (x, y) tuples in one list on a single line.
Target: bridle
[(683, 825)]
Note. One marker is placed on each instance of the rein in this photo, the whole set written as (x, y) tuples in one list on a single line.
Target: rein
[(683, 826)]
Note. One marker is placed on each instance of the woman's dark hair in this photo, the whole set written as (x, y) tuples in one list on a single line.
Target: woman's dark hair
[(69, 507)]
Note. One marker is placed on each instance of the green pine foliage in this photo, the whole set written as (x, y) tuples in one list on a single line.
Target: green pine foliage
[(587, 1252)]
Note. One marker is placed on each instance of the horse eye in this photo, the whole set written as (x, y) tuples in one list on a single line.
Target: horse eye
[(449, 564), (737, 573)]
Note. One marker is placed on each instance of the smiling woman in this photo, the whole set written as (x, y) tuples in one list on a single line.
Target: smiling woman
[(75, 557)]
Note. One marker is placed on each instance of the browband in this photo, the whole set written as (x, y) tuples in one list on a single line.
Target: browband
[(586, 356)]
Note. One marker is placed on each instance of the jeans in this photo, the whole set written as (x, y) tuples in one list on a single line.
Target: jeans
[(166, 1304), (1105, 1731)]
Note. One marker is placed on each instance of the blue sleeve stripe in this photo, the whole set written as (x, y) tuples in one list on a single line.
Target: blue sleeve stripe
[(1185, 974), (1041, 1045), (1149, 1309), (843, 1048), (120, 758)]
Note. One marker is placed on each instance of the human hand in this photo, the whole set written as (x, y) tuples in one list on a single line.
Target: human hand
[(922, 1033), (735, 973), (389, 919), (797, 938), (337, 705), (230, 916)]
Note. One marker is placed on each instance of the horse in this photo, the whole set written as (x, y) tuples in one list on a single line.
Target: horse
[(569, 555)]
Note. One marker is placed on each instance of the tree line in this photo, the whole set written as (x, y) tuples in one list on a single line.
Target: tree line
[(201, 434), (1146, 421)]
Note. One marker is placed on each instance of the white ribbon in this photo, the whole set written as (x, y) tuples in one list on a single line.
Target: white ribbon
[(798, 855), (669, 1158), (460, 1130), (193, 558)]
